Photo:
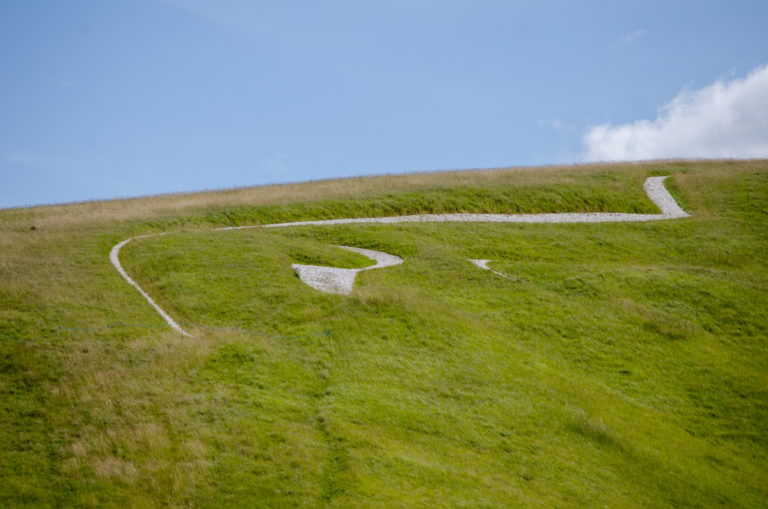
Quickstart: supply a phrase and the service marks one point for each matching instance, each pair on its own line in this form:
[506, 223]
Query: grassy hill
[619, 365]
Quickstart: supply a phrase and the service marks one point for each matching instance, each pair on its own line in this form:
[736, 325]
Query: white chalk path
[341, 281]
[483, 264]
[654, 188]
[114, 255]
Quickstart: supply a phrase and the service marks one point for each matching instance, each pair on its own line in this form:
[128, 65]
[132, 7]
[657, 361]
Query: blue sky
[105, 99]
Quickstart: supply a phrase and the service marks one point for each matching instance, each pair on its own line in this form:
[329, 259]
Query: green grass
[622, 365]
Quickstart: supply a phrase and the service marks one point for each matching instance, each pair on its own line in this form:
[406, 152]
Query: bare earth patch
[341, 281]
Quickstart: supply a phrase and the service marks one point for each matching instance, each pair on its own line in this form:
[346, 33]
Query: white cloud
[631, 37]
[728, 119]
[237, 14]
[558, 125]
[25, 158]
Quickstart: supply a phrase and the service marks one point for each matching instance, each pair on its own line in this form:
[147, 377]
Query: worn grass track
[622, 365]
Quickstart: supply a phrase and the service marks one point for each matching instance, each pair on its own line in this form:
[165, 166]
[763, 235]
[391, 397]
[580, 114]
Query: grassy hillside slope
[623, 365]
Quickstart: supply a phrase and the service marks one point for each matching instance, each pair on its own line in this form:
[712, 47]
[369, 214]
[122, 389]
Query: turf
[620, 365]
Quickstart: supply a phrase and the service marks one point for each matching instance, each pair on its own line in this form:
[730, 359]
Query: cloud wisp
[630, 37]
[728, 119]
[558, 125]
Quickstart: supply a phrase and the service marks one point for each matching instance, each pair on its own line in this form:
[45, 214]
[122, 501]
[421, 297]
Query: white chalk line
[653, 186]
[483, 264]
[114, 257]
